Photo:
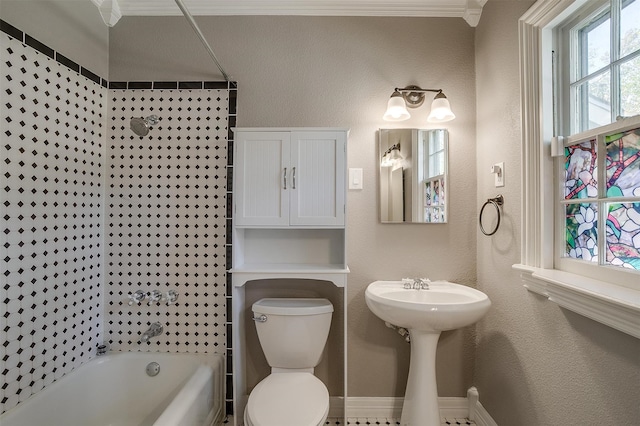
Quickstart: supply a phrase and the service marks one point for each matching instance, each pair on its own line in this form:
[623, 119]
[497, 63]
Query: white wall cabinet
[289, 195]
[289, 208]
[289, 178]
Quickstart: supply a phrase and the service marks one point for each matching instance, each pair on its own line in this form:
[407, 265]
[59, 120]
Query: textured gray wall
[323, 71]
[71, 27]
[537, 364]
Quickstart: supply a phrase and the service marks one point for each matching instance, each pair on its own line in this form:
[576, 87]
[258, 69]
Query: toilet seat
[288, 399]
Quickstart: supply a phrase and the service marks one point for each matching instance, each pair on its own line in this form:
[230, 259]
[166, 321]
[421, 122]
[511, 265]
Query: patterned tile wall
[164, 198]
[51, 209]
[165, 219]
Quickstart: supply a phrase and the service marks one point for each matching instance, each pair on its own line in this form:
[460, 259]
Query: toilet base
[288, 399]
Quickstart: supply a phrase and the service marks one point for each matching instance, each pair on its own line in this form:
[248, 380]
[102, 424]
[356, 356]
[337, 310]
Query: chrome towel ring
[496, 202]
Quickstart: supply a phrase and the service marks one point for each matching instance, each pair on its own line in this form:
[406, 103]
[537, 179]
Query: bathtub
[115, 390]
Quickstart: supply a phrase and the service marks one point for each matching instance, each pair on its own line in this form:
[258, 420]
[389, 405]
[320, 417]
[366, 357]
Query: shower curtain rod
[195, 27]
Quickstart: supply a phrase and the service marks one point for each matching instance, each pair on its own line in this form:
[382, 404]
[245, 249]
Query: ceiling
[469, 10]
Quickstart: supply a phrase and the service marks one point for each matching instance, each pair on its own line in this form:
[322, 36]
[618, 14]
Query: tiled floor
[380, 421]
[387, 421]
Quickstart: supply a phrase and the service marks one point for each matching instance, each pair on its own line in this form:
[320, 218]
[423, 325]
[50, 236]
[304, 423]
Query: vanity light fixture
[391, 156]
[413, 97]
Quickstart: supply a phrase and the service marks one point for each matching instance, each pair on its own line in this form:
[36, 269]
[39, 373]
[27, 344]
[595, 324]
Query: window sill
[608, 303]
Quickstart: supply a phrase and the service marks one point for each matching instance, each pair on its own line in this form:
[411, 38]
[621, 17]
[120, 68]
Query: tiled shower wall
[165, 220]
[91, 212]
[52, 185]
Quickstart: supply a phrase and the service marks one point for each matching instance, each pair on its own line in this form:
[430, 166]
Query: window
[604, 64]
[567, 204]
[432, 145]
[598, 181]
[599, 204]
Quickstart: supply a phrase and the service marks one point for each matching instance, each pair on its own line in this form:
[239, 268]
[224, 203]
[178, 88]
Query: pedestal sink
[425, 313]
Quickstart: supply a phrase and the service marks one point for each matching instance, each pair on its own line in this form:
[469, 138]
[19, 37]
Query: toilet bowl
[299, 399]
[292, 334]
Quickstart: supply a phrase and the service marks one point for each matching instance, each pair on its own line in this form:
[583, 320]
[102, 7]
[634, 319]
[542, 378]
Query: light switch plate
[498, 171]
[355, 178]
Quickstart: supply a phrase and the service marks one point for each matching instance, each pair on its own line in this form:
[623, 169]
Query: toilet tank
[292, 332]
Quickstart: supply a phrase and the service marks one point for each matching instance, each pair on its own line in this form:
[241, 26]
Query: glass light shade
[440, 110]
[395, 156]
[396, 109]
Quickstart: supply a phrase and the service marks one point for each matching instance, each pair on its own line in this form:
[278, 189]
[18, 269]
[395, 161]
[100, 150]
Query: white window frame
[602, 300]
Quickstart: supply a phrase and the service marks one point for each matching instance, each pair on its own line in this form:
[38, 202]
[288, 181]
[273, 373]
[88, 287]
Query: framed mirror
[413, 175]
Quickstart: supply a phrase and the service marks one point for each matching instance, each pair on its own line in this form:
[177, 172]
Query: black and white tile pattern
[165, 219]
[154, 220]
[51, 239]
[379, 421]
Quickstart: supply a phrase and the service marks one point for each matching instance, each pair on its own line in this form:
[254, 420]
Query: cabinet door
[262, 179]
[318, 169]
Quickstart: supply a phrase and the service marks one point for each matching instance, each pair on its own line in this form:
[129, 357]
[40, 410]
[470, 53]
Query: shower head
[141, 126]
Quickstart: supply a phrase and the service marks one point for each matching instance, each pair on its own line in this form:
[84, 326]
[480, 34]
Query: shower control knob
[136, 297]
[154, 297]
[171, 297]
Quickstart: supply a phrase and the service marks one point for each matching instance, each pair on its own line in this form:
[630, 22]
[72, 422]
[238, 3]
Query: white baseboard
[374, 407]
[391, 407]
[336, 406]
[477, 412]
[482, 417]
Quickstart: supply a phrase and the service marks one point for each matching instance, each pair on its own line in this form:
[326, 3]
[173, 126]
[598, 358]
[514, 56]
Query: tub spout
[154, 330]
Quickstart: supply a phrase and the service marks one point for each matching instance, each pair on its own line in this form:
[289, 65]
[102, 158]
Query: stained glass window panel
[581, 171]
[623, 235]
[434, 210]
[581, 224]
[623, 164]
[436, 192]
[434, 215]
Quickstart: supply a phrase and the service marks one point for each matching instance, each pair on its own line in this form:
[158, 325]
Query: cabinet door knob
[285, 178]
[294, 178]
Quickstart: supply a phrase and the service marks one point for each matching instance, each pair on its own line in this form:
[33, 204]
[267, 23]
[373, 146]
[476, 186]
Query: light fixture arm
[391, 148]
[414, 95]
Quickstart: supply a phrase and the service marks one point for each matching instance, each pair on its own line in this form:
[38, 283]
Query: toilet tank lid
[292, 306]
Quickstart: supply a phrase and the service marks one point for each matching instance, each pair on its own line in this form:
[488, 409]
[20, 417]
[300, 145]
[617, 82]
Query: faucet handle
[154, 296]
[407, 283]
[424, 283]
[136, 297]
[171, 297]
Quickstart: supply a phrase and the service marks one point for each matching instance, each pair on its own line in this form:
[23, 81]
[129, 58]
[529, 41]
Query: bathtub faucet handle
[154, 297]
[171, 297]
[136, 297]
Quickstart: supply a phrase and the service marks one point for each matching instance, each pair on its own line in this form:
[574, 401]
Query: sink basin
[425, 313]
[444, 306]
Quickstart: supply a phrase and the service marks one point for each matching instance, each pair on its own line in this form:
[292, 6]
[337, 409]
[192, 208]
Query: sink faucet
[154, 330]
[421, 283]
[416, 283]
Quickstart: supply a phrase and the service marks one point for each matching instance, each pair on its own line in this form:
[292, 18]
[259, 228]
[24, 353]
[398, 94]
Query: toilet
[292, 334]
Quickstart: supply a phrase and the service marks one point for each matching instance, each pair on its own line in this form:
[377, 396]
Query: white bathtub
[115, 390]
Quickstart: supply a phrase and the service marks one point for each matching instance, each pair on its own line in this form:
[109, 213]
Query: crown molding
[470, 10]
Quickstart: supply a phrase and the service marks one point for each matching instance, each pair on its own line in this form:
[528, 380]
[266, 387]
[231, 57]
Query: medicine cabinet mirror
[413, 175]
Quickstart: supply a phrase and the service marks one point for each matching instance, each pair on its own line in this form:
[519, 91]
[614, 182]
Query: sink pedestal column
[421, 397]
